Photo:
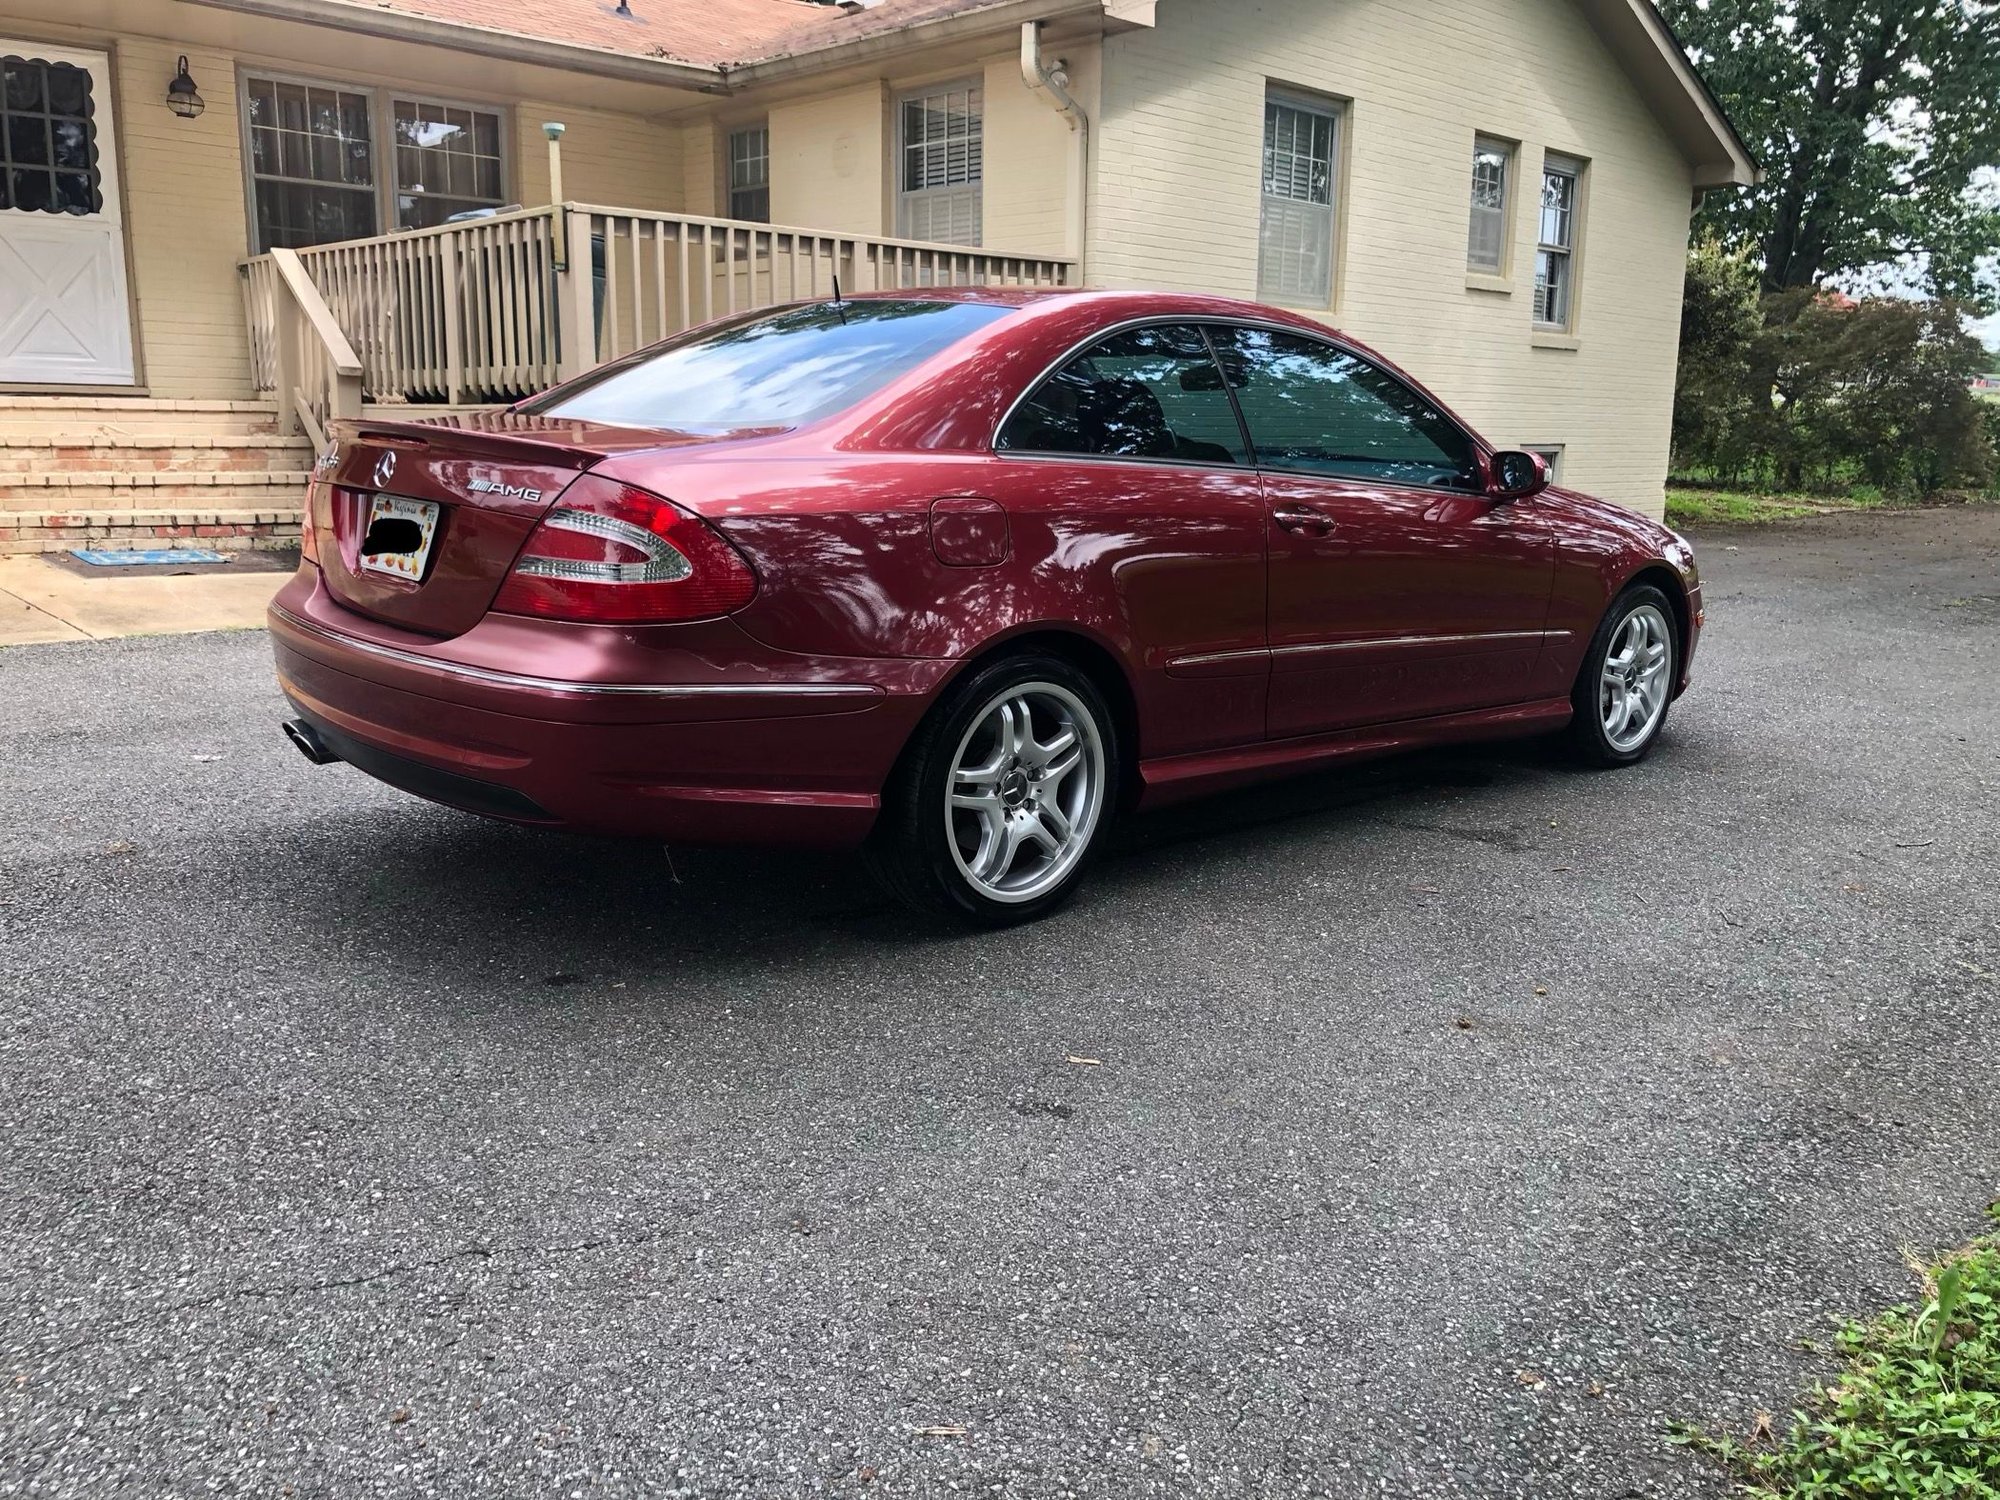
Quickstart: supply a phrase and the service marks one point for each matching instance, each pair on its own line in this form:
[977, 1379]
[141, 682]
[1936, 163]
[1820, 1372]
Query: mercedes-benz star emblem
[385, 470]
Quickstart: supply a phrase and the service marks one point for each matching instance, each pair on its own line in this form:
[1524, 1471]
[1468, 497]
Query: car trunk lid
[490, 476]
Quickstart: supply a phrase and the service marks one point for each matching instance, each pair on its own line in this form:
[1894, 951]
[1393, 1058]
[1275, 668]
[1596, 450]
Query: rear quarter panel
[1150, 563]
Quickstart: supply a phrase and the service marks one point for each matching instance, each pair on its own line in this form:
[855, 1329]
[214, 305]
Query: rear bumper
[685, 733]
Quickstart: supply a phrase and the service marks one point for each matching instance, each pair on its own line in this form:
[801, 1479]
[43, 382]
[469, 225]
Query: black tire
[918, 850]
[1590, 738]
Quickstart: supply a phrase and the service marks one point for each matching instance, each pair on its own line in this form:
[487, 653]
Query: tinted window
[1144, 393]
[771, 369]
[1316, 409]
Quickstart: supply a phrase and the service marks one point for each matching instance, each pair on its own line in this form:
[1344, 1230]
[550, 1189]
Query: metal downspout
[1054, 88]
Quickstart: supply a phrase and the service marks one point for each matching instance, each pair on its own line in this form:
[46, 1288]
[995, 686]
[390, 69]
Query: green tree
[1876, 122]
[1721, 319]
[1809, 390]
[1905, 415]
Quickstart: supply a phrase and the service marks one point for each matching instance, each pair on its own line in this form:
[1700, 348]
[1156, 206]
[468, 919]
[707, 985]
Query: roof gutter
[999, 19]
[480, 41]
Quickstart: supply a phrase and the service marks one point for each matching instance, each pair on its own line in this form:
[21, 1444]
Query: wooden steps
[86, 416]
[137, 472]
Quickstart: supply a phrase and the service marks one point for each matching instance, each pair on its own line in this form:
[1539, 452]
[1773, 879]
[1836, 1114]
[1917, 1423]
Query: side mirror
[1515, 475]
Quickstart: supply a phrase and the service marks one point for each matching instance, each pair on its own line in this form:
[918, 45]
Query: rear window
[776, 369]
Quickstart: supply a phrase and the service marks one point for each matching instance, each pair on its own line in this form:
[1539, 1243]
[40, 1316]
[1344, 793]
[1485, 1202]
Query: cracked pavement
[1460, 1121]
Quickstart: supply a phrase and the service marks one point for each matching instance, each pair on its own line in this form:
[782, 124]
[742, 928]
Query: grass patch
[1706, 507]
[1916, 1413]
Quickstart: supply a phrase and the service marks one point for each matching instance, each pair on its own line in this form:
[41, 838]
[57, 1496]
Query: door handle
[1307, 520]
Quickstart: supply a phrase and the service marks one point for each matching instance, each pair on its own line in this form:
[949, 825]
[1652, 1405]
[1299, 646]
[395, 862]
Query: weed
[1914, 1416]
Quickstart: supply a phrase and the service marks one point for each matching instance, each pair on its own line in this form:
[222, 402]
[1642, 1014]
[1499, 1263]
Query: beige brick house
[223, 222]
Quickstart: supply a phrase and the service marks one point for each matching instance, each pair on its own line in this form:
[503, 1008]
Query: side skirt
[1177, 778]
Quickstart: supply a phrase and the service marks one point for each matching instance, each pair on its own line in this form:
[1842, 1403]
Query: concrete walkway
[40, 601]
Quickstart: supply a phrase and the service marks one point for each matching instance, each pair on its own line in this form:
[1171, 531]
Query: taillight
[309, 533]
[611, 554]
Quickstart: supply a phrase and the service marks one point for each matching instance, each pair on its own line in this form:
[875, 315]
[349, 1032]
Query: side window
[1313, 408]
[1150, 392]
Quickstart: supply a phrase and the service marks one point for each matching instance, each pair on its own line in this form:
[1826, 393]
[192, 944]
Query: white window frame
[385, 106]
[1286, 217]
[974, 188]
[1552, 453]
[382, 100]
[1509, 152]
[731, 160]
[1561, 249]
[251, 177]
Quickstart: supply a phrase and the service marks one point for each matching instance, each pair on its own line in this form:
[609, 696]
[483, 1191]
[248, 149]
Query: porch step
[63, 491]
[54, 417]
[151, 453]
[231, 530]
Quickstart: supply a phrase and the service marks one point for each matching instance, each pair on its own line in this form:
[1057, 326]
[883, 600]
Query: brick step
[152, 454]
[90, 416]
[69, 490]
[223, 530]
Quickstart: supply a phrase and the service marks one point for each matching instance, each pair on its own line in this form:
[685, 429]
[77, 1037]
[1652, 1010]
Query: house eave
[481, 41]
[1638, 35]
[1001, 19]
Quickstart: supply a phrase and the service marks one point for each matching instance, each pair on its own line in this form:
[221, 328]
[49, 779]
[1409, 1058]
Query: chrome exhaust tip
[311, 746]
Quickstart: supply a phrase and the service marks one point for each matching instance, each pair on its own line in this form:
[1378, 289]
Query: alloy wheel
[1026, 792]
[1634, 689]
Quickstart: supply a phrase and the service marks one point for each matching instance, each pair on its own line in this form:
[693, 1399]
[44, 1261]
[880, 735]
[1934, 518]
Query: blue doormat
[101, 558]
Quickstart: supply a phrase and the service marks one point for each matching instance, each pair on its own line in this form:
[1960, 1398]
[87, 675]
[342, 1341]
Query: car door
[1398, 590]
[1126, 472]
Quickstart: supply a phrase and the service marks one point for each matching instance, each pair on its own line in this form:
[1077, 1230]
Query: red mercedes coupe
[956, 577]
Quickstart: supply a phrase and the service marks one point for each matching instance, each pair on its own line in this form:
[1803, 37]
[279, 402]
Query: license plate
[404, 552]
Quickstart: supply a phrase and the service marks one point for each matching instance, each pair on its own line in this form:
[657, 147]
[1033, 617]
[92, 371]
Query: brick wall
[1177, 201]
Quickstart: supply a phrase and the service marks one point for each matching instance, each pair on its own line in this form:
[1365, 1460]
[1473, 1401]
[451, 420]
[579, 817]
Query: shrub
[1807, 390]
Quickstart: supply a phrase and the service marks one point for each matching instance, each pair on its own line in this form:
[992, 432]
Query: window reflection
[47, 164]
[1151, 392]
[776, 369]
[1314, 408]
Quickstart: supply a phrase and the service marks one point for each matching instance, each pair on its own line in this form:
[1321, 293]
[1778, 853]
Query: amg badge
[505, 491]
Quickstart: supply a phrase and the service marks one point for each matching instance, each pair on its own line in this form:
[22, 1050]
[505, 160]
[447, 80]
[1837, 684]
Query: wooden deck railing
[498, 308]
[313, 368]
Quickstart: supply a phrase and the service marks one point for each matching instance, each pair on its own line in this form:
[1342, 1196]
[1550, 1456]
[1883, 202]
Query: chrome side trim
[1210, 658]
[1317, 648]
[494, 678]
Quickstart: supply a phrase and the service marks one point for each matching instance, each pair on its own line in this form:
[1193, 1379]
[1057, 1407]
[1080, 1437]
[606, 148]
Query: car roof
[1113, 302]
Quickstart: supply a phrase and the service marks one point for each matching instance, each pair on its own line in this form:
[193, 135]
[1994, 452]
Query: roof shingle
[708, 33]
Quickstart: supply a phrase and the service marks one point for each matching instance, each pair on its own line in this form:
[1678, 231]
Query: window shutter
[1295, 231]
[943, 153]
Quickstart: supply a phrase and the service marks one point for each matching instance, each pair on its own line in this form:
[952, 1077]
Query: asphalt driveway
[1458, 1122]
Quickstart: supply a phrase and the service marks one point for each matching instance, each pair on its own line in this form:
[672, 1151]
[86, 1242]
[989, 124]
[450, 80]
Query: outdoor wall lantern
[181, 96]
